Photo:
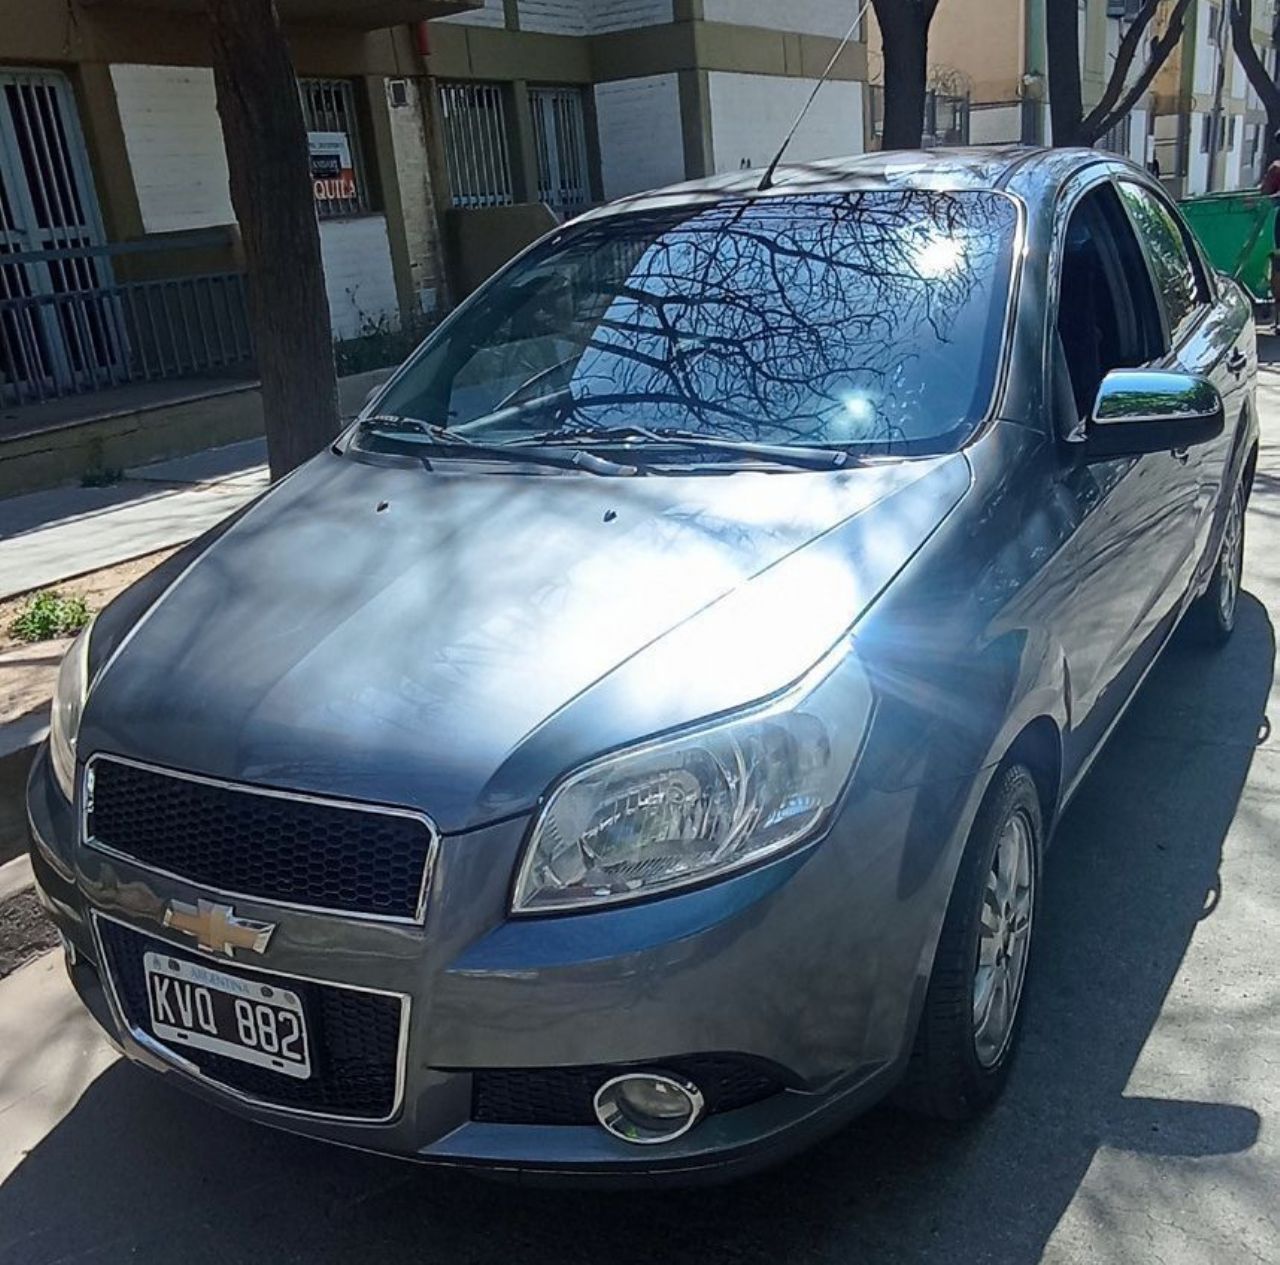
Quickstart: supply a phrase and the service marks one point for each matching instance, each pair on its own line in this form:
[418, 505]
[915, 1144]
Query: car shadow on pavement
[139, 1171]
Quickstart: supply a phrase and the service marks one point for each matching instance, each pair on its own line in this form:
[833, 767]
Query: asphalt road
[1140, 1124]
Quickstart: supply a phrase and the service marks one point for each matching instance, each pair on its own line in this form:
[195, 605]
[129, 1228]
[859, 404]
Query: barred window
[476, 147]
[560, 130]
[338, 171]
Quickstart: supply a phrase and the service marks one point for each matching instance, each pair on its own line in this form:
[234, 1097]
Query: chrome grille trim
[88, 841]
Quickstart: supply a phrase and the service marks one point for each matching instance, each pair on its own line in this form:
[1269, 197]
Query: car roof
[1026, 170]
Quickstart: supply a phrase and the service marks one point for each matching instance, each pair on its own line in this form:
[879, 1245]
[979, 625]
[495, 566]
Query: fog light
[648, 1107]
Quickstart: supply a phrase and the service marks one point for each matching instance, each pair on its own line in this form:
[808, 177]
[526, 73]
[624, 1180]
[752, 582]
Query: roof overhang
[359, 15]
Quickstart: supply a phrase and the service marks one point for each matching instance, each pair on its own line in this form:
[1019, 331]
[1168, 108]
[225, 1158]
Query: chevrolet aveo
[632, 747]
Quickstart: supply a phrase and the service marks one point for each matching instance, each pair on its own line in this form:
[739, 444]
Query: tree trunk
[271, 192]
[904, 33]
[1256, 72]
[1062, 57]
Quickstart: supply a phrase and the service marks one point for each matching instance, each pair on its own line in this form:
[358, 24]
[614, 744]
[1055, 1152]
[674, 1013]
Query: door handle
[1237, 362]
[1181, 455]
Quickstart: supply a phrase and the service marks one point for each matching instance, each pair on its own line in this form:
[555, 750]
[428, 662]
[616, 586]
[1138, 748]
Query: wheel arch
[1038, 745]
[1250, 468]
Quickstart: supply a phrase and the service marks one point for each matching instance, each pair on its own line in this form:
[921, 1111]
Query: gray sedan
[631, 749]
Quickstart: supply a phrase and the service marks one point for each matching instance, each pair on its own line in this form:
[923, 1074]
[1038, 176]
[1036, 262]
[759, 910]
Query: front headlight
[700, 803]
[68, 703]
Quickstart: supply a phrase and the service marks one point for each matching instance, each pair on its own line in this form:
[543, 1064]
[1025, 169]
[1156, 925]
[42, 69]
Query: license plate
[197, 1007]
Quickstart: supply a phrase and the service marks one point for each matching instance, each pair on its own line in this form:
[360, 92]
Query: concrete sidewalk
[49, 537]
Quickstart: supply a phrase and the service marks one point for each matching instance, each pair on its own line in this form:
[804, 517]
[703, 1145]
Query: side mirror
[1140, 411]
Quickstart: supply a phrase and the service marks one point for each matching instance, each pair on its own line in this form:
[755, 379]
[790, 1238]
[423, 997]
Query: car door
[1132, 552]
[1209, 335]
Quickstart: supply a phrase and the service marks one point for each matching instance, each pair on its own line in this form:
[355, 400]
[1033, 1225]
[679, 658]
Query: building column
[108, 153]
[524, 144]
[385, 164]
[695, 123]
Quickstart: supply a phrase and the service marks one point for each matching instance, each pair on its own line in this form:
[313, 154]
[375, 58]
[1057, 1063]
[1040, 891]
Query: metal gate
[60, 328]
[476, 148]
[559, 125]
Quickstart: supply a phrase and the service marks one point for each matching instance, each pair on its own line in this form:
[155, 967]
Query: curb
[18, 743]
[25, 931]
[15, 878]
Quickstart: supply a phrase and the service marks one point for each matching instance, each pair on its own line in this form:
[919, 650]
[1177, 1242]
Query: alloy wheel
[1231, 564]
[1004, 939]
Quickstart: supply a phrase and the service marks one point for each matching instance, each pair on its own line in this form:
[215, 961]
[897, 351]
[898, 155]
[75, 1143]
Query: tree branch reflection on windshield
[864, 318]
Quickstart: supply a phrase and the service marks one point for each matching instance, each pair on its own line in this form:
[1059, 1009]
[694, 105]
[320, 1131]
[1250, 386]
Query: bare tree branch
[1130, 42]
[1100, 120]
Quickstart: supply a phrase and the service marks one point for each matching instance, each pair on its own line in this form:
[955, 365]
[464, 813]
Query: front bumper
[814, 965]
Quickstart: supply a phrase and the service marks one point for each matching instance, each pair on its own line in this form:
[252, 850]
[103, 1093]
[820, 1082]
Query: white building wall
[809, 17]
[1198, 160]
[493, 14]
[1252, 99]
[751, 114]
[623, 15]
[1206, 62]
[357, 274]
[996, 125]
[174, 140]
[173, 137]
[1233, 175]
[1139, 142]
[554, 17]
[641, 138]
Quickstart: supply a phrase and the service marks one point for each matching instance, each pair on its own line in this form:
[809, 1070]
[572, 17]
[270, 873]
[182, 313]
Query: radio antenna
[766, 181]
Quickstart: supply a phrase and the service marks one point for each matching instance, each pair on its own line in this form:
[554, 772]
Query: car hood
[454, 639]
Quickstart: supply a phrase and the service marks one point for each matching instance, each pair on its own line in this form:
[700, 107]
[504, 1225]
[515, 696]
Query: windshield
[870, 319]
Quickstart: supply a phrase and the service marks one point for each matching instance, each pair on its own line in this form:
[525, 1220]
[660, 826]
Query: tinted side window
[1171, 262]
[1107, 314]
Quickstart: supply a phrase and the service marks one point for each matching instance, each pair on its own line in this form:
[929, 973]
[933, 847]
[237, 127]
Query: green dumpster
[1237, 231]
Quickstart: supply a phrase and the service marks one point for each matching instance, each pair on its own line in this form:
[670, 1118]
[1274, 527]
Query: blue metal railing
[67, 326]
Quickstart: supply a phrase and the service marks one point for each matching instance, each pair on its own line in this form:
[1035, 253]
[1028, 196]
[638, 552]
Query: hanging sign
[332, 176]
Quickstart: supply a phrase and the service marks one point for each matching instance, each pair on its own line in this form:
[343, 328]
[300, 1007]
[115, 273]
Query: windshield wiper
[672, 437]
[514, 412]
[410, 431]
[389, 426]
[512, 396]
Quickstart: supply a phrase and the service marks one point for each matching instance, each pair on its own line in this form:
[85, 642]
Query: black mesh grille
[564, 1095]
[353, 860]
[354, 1037]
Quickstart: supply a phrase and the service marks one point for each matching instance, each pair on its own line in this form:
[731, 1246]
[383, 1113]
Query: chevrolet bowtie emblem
[216, 927]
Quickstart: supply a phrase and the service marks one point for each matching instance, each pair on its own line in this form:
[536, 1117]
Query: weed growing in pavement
[101, 477]
[49, 614]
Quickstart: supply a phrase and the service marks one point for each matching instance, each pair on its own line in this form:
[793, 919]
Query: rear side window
[1181, 289]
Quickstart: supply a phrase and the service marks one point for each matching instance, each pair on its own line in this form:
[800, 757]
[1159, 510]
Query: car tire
[1212, 617]
[958, 1066]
